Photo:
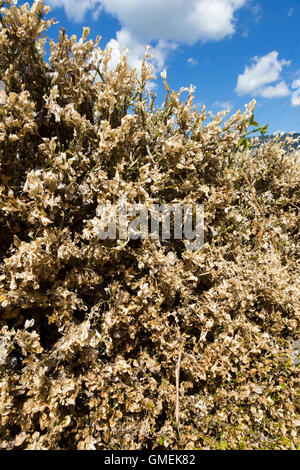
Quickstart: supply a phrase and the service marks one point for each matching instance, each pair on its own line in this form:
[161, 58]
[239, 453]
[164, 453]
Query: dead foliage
[138, 344]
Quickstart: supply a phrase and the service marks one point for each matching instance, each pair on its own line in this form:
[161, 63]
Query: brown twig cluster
[91, 330]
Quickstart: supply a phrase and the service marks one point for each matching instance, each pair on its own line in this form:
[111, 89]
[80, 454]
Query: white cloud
[165, 23]
[296, 94]
[76, 9]
[186, 21]
[255, 9]
[169, 23]
[222, 104]
[276, 91]
[264, 71]
[192, 61]
[137, 50]
[291, 11]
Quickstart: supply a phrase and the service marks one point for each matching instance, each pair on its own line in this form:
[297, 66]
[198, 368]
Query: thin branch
[177, 375]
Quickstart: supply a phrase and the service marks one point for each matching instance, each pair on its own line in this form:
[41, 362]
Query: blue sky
[231, 50]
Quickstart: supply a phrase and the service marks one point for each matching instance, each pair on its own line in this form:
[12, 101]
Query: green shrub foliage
[91, 331]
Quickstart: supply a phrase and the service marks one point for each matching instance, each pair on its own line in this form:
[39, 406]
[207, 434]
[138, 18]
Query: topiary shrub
[138, 344]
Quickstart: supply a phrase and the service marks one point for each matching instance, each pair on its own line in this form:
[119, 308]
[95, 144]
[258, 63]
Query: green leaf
[263, 130]
[252, 122]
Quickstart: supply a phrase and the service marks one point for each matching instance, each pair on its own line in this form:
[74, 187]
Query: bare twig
[150, 154]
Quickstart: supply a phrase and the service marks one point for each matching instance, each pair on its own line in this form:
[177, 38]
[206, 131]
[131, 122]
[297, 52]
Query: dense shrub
[91, 331]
